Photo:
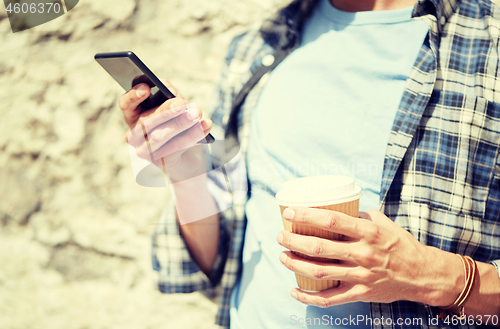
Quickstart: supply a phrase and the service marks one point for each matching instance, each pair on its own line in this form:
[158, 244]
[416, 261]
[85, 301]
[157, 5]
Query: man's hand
[379, 261]
[165, 135]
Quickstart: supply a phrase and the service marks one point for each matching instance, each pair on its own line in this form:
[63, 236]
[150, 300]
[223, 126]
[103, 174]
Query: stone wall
[74, 227]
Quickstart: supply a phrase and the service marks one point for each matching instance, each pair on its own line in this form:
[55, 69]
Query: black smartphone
[128, 70]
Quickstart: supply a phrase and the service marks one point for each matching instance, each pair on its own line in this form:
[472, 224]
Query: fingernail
[141, 91]
[193, 114]
[280, 237]
[288, 214]
[283, 258]
[294, 295]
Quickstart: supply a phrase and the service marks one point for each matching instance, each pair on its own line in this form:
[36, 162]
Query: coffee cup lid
[316, 191]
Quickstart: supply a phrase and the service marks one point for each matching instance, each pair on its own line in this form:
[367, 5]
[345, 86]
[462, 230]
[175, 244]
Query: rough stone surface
[74, 226]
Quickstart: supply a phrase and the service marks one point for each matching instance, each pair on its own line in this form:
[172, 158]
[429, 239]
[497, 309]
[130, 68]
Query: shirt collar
[441, 10]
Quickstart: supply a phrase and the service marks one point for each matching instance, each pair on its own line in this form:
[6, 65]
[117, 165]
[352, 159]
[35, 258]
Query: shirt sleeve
[496, 263]
[177, 272]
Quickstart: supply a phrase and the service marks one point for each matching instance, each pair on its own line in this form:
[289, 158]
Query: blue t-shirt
[327, 109]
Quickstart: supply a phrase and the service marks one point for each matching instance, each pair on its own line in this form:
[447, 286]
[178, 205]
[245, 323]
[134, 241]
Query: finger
[165, 132]
[180, 143]
[130, 101]
[167, 111]
[343, 294]
[325, 219]
[132, 98]
[207, 125]
[317, 270]
[315, 247]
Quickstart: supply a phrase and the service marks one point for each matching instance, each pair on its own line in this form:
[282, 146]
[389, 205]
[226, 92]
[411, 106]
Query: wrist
[189, 187]
[444, 278]
[192, 199]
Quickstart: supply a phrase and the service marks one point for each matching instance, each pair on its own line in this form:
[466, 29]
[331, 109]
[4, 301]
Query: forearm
[201, 232]
[449, 280]
[202, 239]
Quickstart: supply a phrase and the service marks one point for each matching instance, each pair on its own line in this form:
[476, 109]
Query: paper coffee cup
[336, 193]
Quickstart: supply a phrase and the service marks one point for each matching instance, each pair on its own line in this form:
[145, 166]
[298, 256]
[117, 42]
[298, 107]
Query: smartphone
[128, 70]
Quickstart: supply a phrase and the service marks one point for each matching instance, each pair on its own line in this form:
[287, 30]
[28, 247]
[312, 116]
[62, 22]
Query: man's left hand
[378, 261]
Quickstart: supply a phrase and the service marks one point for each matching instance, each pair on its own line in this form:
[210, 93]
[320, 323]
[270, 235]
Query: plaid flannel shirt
[441, 177]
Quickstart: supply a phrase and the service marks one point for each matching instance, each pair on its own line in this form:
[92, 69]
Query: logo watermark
[362, 320]
[26, 14]
[359, 320]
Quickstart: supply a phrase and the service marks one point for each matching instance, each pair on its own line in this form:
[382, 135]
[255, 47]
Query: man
[408, 86]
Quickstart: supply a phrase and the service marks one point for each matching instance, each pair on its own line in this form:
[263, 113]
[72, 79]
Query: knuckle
[319, 272]
[290, 264]
[155, 137]
[371, 231]
[301, 215]
[325, 302]
[361, 275]
[332, 220]
[318, 248]
[358, 255]
[366, 257]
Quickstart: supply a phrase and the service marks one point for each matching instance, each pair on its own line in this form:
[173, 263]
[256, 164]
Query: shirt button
[268, 60]
[442, 20]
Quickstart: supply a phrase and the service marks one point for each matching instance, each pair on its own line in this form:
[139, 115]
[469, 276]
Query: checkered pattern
[441, 178]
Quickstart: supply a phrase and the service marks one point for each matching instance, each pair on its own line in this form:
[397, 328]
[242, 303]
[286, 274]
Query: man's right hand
[167, 132]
